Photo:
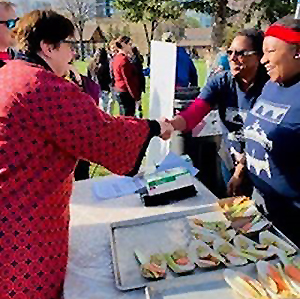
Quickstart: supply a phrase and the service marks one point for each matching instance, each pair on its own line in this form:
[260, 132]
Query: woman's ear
[46, 48]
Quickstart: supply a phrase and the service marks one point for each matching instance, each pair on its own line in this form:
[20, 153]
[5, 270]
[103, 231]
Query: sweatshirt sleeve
[195, 113]
[71, 121]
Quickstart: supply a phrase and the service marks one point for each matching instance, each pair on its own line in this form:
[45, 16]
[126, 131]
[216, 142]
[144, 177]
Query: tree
[192, 22]
[219, 10]
[79, 11]
[272, 10]
[222, 10]
[149, 11]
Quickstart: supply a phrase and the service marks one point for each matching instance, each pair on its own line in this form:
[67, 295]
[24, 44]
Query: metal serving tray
[161, 232]
[207, 285]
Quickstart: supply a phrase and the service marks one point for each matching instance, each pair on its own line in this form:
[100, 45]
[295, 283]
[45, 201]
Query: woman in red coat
[46, 125]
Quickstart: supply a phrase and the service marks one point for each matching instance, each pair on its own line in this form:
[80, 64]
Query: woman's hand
[166, 129]
[179, 123]
[234, 184]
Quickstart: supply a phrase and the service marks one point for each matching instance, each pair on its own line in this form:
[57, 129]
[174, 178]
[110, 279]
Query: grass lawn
[97, 170]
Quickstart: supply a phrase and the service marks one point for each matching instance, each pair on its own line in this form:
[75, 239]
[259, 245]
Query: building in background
[104, 8]
[198, 39]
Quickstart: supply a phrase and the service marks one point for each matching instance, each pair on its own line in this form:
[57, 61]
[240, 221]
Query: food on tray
[291, 269]
[203, 256]
[267, 238]
[154, 268]
[180, 257]
[240, 206]
[211, 225]
[203, 235]
[179, 261]
[250, 224]
[252, 250]
[275, 281]
[230, 253]
[244, 285]
[207, 231]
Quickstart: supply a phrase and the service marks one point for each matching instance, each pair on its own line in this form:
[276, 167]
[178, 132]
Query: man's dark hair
[256, 37]
[42, 25]
[122, 39]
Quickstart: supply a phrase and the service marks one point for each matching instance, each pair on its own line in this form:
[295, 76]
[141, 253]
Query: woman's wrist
[178, 123]
[239, 170]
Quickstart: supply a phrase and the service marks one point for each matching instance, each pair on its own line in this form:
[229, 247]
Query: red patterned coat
[46, 125]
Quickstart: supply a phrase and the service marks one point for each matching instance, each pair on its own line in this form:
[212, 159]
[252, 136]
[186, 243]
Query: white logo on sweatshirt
[269, 111]
[256, 133]
[259, 165]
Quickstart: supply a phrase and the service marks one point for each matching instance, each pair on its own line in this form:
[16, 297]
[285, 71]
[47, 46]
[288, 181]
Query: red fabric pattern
[126, 76]
[195, 113]
[288, 35]
[46, 124]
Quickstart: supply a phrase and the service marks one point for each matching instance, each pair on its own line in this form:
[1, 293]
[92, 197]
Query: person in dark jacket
[99, 72]
[186, 73]
[138, 60]
[87, 85]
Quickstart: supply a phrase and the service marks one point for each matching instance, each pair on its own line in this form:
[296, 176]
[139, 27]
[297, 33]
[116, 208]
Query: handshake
[167, 127]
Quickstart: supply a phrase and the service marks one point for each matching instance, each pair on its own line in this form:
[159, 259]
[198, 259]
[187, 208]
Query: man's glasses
[241, 53]
[10, 24]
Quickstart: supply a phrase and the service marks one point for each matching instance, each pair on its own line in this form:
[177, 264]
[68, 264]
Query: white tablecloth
[90, 271]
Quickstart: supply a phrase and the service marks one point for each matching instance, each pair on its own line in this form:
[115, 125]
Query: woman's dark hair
[138, 54]
[100, 57]
[42, 25]
[122, 39]
[256, 37]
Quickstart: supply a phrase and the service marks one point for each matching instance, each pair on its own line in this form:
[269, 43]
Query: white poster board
[162, 88]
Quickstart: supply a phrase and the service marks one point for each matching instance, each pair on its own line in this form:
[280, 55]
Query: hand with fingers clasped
[166, 129]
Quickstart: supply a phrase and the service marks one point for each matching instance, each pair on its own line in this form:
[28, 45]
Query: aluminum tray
[163, 232]
[205, 286]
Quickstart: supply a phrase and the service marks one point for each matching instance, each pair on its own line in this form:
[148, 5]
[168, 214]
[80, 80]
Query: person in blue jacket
[186, 73]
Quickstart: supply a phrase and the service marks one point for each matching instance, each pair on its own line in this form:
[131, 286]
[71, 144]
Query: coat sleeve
[70, 120]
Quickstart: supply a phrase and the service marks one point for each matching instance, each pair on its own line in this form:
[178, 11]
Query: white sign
[162, 88]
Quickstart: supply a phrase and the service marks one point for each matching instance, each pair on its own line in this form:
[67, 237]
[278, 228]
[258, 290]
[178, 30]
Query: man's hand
[166, 129]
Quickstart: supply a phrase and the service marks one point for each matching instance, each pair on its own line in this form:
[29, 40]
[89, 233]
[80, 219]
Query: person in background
[126, 76]
[112, 52]
[99, 72]
[233, 93]
[87, 85]
[186, 73]
[8, 21]
[47, 124]
[194, 54]
[272, 129]
[138, 60]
